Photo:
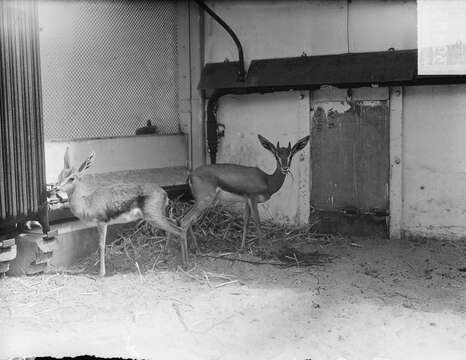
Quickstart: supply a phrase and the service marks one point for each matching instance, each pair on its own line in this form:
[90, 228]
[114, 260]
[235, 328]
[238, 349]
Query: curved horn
[86, 164]
[66, 160]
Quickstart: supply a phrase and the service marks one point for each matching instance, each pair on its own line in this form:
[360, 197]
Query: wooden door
[350, 160]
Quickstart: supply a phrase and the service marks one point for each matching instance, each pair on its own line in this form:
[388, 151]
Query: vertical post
[196, 42]
[303, 160]
[23, 183]
[396, 162]
[184, 75]
[190, 61]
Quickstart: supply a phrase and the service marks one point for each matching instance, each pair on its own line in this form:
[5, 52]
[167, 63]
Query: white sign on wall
[441, 37]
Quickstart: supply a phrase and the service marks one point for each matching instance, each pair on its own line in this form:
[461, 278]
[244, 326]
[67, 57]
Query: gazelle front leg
[246, 214]
[195, 243]
[102, 229]
[255, 216]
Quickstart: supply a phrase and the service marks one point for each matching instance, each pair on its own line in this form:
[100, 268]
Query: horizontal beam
[387, 68]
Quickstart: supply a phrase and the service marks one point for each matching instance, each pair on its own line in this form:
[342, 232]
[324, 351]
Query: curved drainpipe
[241, 71]
[212, 103]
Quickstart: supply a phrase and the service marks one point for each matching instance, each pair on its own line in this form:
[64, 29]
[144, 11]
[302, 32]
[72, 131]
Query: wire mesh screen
[108, 67]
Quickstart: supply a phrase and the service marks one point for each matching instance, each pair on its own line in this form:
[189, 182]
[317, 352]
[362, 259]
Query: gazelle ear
[86, 164]
[301, 144]
[66, 162]
[289, 146]
[267, 144]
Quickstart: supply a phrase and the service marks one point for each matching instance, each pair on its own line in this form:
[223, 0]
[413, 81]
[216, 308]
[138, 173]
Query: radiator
[22, 163]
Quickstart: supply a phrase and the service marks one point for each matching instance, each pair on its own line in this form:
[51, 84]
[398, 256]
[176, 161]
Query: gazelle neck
[275, 180]
[77, 191]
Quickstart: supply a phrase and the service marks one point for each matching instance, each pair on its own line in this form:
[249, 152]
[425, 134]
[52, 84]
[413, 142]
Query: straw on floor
[219, 233]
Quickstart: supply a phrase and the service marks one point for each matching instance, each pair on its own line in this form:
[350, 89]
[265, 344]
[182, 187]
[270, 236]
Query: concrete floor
[377, 299]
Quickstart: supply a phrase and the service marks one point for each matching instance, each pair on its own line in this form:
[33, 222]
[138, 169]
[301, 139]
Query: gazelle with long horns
[236, 183]
[117, 203]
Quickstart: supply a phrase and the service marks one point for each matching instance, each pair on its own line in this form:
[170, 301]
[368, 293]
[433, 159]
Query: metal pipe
[212, 103]
[241, 71]
[212, 126]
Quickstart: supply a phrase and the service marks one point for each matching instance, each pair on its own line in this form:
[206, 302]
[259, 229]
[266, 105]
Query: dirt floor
[375, 299]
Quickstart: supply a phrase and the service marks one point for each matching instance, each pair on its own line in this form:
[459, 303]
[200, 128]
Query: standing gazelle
[236, 183]
[117, 203]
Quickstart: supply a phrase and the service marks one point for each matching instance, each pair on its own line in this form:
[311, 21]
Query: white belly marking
[133, 215]
[226, 196]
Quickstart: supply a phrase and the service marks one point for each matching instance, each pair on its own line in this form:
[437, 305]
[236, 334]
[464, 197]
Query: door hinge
[378, 212]
[353, 211]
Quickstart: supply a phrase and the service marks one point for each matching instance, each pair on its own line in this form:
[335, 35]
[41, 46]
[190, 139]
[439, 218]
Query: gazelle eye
[71, 179]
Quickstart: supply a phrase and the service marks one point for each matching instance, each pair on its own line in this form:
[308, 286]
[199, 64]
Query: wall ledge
[436, 233]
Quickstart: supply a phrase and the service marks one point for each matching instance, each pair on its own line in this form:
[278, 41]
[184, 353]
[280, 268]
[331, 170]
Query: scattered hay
[219, 234]
[220, 229]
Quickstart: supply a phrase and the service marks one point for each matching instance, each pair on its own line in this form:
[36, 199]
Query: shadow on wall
[243, 152]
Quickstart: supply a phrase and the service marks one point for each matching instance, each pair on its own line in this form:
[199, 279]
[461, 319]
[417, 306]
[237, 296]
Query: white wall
[279, 117]
[278, 28]
[380, 25]
[434, 161]
[432, 119]
[119, 153]
[271, 29]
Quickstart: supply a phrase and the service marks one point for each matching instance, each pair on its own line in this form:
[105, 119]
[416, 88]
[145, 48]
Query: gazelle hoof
[102, 272]
[195, 249]
[264, 249]
[31, 224]
[243, 250]
[184, 266]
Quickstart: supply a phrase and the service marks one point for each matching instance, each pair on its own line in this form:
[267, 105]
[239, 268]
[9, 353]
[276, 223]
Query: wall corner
[396, 163]
[304, 160]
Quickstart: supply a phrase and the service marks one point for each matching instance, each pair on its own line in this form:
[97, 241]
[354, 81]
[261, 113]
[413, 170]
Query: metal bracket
[351, 211]
[379, 214]
[376, 214]
[220, 130]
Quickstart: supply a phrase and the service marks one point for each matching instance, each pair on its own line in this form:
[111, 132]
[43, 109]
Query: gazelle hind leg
[204, 195]
[171, 229]
[203, 201]
[102, 229]
[193, 236]
[192, 215]
[167, 243]
[154, 212]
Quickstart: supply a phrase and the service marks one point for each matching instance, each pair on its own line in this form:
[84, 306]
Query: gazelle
[236, 183]
[117, 203]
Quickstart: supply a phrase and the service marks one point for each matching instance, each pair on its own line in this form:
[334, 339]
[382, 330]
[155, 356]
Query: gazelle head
[284, 155]
[69, 176]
